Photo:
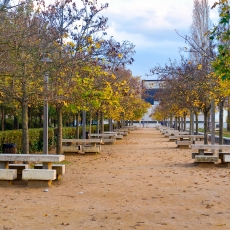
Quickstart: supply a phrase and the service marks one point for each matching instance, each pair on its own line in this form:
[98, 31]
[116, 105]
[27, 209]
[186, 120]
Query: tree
[20, 45]
[221, 34]
[72, 30]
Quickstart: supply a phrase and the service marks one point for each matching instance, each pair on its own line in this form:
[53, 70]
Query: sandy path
[141, 182]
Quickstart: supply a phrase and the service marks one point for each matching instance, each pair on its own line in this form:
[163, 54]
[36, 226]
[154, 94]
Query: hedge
[36, 137]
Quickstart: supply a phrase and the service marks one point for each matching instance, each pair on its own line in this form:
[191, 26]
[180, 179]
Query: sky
[150, 25]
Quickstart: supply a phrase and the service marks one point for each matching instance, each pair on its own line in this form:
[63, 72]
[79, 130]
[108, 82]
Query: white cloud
[150, 25]
[148, 15]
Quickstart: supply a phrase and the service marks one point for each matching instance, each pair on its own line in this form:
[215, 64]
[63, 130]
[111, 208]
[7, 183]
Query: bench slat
[82, 140]
[38, 174]
[196, 146]
[32, 157]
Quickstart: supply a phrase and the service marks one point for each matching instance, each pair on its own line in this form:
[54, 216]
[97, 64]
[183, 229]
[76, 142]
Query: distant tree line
[201, 78]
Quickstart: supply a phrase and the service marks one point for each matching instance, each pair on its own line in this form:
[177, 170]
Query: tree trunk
[118, 125]
[191, 129]
[77, 125]
[90, 123]
[25, 134]
[228, 121]
[83, 136]
[179, 123]
[40, 119]
[3, 118]
[197, 123]
[102, 122]
[29, 118]
[16, 124]
[59, 130]
[55, 123]
[176, 123]
[123, 120]
[98, 127]
[221, 119]
[206, 119]
[212, 126]
[184, 129]
[110, 124]
[171, 121]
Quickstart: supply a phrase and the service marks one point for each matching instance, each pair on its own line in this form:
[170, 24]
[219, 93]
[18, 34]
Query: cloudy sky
[150, 25]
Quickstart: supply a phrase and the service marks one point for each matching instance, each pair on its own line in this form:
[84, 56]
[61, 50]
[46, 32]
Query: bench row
[38, 174]
[93, 145]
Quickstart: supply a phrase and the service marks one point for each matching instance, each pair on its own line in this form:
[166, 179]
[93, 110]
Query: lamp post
[45, 109]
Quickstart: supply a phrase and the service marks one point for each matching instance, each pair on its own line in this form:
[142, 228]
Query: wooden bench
[7, 175]
[88, 145]
[214, 150]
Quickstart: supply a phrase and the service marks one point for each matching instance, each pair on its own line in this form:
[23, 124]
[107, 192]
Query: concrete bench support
[183, 144]
[206, 160]
[221, 156]
[72, 149]
[172, 138]
[109, 141]
[60, 169]
[226, 159]
[39, 177]
[7, 176]
[197, 154]
[91, 149]
[198, 142]
[19, 167]
[119, 137]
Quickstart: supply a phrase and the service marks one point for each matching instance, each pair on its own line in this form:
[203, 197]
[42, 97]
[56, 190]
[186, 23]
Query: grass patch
[225, 132]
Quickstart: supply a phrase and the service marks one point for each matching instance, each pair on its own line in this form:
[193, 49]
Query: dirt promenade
[142, 182]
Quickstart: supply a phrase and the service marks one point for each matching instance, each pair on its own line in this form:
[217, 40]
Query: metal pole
[45, 119]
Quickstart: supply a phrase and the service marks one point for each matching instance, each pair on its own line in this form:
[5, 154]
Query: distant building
[151, 87]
